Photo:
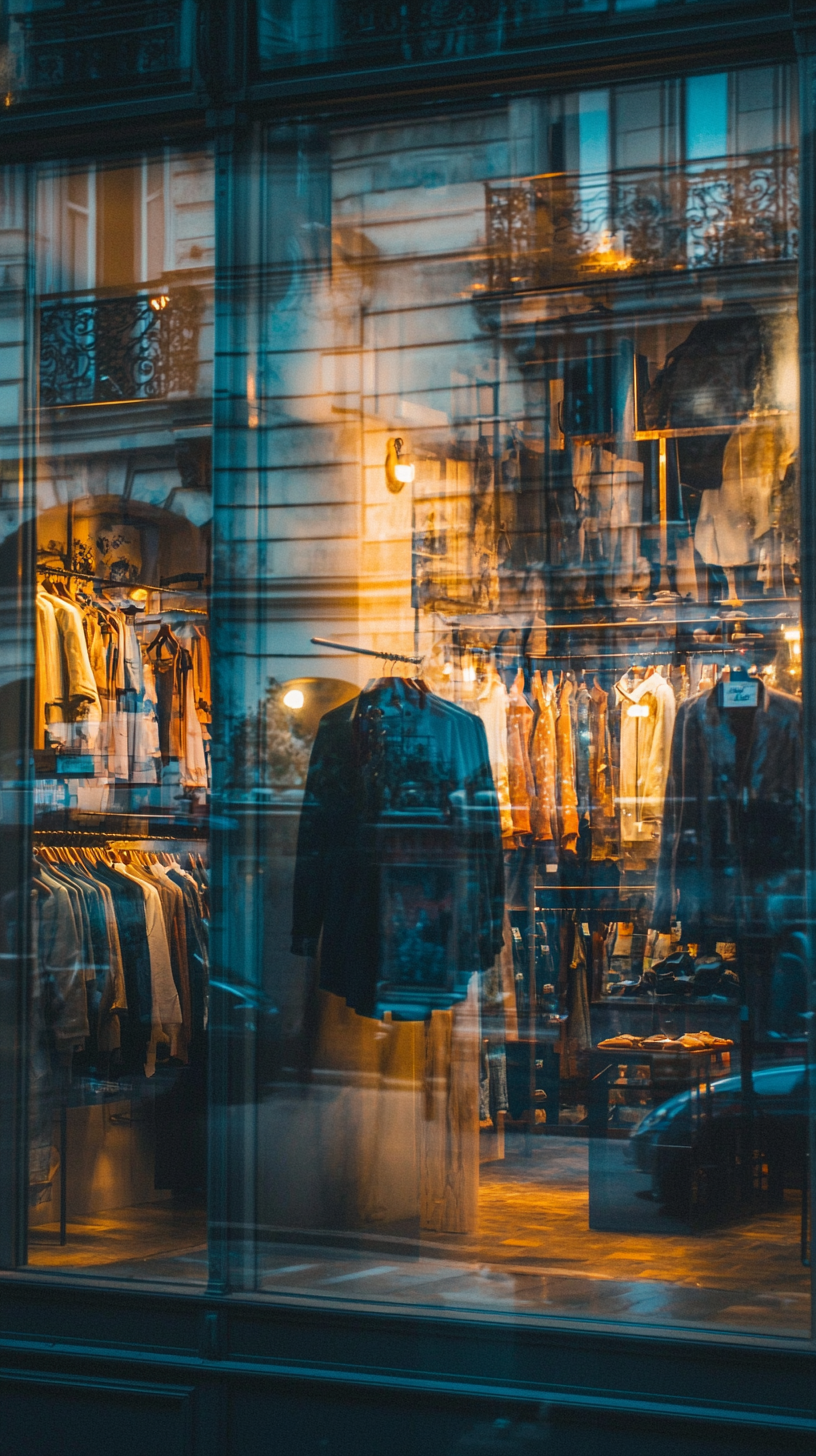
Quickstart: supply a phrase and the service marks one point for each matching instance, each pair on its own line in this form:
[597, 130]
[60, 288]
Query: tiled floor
[534, 1253]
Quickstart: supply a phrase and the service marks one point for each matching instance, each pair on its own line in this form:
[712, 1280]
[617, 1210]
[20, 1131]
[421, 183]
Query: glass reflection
[529, 436]
[118, 1014]
[307, 31]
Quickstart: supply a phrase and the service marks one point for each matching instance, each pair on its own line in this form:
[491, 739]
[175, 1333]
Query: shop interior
[537, 1042]
[122, 714]
[609, 1119]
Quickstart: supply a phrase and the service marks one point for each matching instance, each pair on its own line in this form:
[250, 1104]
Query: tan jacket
[647, 722]
[601, 787]
[47, 670]
[78, 684]
[544, 755]
[490, 705]
[520, 773]
[568, 795]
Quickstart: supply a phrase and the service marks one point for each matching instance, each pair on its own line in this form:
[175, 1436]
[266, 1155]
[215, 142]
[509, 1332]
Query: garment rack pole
[178, 591]
[368, 651]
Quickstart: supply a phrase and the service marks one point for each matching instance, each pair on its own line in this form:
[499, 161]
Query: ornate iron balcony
[546, 231]
[106, 349]
[93, 42]
[414, 30]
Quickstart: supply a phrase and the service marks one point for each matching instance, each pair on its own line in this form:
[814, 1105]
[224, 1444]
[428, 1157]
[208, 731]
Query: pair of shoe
[681, 975]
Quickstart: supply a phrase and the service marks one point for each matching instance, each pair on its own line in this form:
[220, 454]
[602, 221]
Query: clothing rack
[90, 839]
[96, 837]
[105, 835]
[129, 585]
[638, 624]
[416, 660]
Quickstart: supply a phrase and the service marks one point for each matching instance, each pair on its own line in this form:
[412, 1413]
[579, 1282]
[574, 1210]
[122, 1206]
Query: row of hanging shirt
[121, 956]
[140, 707]
[577, 769]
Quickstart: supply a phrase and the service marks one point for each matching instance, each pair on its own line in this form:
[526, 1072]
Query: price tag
[740, 693]
[78, 765]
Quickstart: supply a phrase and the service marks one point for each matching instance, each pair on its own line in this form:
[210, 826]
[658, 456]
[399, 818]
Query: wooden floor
[124, 1236]
[534, 1253]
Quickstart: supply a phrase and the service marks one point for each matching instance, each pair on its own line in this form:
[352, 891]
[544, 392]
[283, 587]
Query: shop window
[305, 31]
[117, 995]
[61, 48]
[412, 849]
[509, 553]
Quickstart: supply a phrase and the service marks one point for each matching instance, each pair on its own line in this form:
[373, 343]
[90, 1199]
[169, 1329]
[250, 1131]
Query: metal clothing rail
[97, 838]
[368, 651]
[178, 591]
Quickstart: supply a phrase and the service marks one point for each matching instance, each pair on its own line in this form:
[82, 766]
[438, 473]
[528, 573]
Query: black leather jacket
[733, 843]
[399, 880]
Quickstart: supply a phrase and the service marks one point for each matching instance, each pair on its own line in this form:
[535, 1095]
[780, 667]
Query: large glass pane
[51, 50]
[509, 542]
[360, 32]
[117, 995]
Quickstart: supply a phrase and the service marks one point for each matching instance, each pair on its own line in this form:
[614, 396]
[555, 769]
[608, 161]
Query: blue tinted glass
[307, 31]
[508, 642]
[706, 116]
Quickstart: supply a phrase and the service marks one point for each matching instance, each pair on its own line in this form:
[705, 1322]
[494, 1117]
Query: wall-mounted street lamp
[399, 470]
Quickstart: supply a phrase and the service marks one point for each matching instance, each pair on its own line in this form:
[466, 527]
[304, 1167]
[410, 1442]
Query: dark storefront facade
[407, 662]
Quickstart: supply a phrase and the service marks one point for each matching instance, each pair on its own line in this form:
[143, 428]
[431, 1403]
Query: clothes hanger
[164, 634]
[61, 590]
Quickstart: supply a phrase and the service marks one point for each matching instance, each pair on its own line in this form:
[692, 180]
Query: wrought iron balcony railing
[106, 349]
[559, 229]
[415, 30]
[98, 43]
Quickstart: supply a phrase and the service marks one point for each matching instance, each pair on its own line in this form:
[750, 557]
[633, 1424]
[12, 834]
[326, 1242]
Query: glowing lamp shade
[399, 471]
[637, 710]
[294, 699]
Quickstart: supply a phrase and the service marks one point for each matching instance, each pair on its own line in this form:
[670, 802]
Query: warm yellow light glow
[793, 634]
[160, 302]
[607, 256]
[469, 674]
[404, 474]
[447, 670]
[138, 594]
[294, 699]
[637, 710]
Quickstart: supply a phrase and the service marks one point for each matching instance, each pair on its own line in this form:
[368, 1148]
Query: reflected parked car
[692, 1146]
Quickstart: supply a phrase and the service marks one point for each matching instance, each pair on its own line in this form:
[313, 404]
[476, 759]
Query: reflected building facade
[407, 608]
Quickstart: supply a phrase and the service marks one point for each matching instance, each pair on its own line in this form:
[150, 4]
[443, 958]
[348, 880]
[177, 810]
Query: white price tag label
[740, 694]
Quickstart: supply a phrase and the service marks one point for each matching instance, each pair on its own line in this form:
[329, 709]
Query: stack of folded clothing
[692, 1041]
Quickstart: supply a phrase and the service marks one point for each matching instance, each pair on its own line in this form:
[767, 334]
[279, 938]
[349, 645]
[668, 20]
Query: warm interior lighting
[160, 302]
[607, 256]
[138, 594]
[398, 470]
[294, 699]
